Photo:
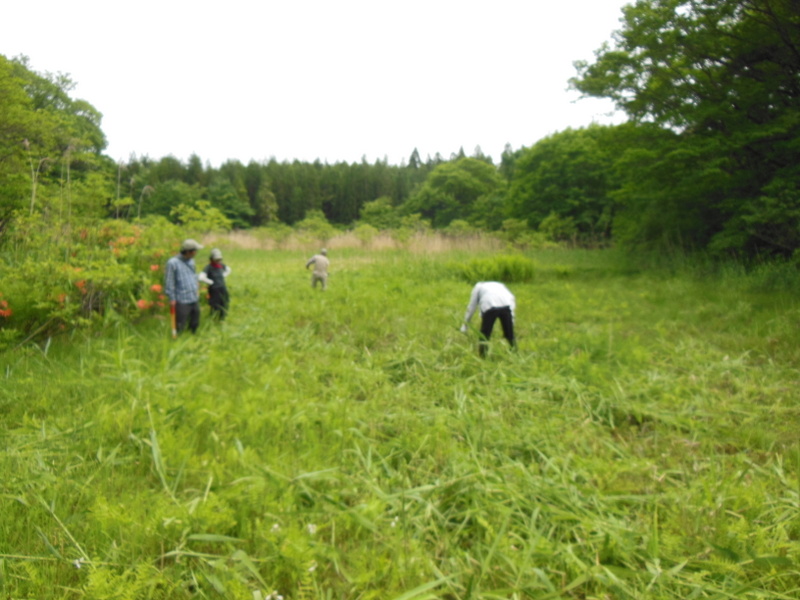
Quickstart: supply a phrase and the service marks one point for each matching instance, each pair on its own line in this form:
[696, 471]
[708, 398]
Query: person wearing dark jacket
[213, 275]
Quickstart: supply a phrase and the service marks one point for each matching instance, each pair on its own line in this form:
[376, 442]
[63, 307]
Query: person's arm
[169, 281]
[311, 261]
[226, 271]
[202, 277]
[471, 307]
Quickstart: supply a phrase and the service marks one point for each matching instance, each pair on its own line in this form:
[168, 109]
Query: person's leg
[224, 303]
[181, 316]
[324, 280]
[216, 301]
[507, 321]
[194, 316]
[213, 304]
[487, 324]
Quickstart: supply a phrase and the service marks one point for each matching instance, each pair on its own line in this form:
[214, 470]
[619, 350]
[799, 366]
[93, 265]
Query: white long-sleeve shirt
[488, 295]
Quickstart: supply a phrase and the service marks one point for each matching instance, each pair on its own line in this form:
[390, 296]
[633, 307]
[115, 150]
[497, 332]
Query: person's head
[216, 255]
[324, 252]
[190, 247]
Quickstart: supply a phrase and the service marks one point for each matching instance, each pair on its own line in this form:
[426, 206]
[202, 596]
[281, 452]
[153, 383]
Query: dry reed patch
[239, 239]
[431, 243]
[420, 243]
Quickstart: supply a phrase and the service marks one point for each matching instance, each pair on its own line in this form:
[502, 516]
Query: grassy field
[641, 443]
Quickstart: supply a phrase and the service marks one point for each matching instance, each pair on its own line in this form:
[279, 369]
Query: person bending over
[495, 301]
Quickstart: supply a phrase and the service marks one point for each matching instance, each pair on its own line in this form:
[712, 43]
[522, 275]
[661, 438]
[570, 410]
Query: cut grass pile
[642, 442]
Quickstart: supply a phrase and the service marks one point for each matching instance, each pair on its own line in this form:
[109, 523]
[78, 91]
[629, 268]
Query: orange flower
[154, 267]
[143, 304]
[6, 313]
[81, 283]
[156, 288]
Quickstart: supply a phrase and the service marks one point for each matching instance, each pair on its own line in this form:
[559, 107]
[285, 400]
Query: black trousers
[218, 300]
[487, 324]
[187, 314]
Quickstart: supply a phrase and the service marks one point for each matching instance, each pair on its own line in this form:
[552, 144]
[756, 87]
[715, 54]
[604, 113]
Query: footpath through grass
[642, 442]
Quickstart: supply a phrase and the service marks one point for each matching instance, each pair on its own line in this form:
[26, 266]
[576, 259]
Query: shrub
[316, 226]
[497, 268]
[201, 216]
[558, 228]
[365, 233]
[64, 276]
[459, 228]
[380, 214]
[410, 225]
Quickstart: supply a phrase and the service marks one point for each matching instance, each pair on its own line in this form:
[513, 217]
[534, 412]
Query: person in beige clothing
[320, 274]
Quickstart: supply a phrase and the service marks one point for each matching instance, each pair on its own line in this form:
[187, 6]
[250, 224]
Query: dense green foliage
[724, 75]
[460, 189]
[567, 176]
[640, 444]
[50, 145]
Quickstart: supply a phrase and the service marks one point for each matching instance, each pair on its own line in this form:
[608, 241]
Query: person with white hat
[180, 285]
[213, 275]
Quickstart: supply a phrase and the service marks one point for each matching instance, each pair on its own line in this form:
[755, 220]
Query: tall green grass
[641, 443]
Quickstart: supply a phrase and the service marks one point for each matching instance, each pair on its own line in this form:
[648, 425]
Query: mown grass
[641, 443]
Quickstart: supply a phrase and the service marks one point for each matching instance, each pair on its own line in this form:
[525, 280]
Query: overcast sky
[329, 80]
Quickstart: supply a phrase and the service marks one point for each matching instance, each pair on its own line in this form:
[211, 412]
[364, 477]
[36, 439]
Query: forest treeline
[709, 158]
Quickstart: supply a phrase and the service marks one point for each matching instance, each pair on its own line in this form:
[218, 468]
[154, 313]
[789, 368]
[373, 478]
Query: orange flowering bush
[63, 276]
[156, 299]
[5, 310]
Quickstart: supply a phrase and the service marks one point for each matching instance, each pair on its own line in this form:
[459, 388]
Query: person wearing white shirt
[495, 301]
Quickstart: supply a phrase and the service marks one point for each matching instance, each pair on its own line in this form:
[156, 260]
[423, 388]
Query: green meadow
[642, 442]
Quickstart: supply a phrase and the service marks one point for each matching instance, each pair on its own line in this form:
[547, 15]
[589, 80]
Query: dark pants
[487, 324]
[187, 314]
[218, 301]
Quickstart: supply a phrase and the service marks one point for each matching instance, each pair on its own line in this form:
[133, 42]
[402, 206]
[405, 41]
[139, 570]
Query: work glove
[464, 328]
